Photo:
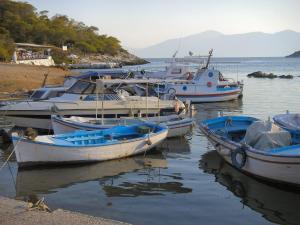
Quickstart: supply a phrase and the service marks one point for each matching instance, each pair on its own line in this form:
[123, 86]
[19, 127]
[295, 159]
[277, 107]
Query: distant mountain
[254, 44]
[294, 55]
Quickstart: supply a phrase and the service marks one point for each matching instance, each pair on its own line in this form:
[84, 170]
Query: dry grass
[21, 78]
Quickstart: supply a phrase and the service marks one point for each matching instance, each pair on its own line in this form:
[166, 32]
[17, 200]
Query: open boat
[177, 126]
[291, 123]
[256, 147]
[88, 146]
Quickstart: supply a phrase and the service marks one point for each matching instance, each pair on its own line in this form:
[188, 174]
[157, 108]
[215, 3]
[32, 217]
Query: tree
[22, 23]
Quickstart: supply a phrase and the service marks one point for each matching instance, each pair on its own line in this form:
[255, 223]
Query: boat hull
[221, 97]
[179, 128]
[42, 119]
[274, 168]
[175, 128]
[37, 114]
[29, 153]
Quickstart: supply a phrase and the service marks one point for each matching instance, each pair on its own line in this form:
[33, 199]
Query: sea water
[185, 182]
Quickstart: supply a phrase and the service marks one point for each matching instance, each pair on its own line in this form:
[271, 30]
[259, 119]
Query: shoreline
[16, 212]
[17, 79]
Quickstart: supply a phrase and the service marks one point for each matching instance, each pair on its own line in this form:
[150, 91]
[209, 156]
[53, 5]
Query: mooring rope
[6, 161]
[10, 155]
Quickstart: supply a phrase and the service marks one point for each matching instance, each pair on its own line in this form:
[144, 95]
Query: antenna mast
[208, 60]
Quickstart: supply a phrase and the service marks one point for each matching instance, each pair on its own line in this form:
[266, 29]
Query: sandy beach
[22, 78]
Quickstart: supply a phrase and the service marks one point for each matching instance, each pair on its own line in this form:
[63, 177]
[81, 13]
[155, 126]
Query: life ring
[209, 84]
[172, 91]
[241, 152]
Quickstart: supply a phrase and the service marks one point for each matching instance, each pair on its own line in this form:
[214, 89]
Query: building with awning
[33, 54]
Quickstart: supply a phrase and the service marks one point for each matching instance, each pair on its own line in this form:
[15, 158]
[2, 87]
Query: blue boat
[88, 146]
[257, 147]
[291, 123]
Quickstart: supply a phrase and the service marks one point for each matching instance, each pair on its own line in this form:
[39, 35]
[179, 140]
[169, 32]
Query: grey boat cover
[264, 135]
[290, 121]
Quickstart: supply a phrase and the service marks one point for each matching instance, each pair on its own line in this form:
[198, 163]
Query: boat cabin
[47, 93]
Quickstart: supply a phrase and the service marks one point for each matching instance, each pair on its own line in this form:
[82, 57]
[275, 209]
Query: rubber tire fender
[171, 91]
[239, 151]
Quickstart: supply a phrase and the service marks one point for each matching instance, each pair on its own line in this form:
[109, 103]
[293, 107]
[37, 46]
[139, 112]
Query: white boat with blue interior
[88, 146]
[177, 125]
[256, 147]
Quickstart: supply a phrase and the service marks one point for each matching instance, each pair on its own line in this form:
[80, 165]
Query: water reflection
[111, 175]
[46, 180]
[211, 110]
[153, 182]
[127, 189]
[175, 147]
[5, 151]
[276, 204]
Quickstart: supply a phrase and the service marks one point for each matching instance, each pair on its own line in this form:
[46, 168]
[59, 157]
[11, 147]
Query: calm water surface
[185, 182]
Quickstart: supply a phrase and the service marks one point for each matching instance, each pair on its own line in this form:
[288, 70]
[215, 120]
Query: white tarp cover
[290, 121]
[264, 135]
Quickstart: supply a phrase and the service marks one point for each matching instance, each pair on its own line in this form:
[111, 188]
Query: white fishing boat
[88, 146]
[177, 125]
[83, 99]
[255, 147]
[206, 85]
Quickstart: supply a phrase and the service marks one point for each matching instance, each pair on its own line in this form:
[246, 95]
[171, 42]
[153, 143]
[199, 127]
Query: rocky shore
[260, 74]
[294, 55]
[13, 212]
[122, 59]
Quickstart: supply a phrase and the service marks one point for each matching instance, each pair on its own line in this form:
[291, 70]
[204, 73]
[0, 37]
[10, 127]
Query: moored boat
[177, 126]
[88, 146]
[206, 85]
[83, 100]
[255, 147]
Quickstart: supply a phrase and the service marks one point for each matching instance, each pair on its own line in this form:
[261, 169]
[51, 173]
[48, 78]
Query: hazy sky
[141, 23]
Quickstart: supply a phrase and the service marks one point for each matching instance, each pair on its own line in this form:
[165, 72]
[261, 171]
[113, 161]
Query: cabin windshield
[37, 94]
[82, 87]
[54, 94]
[221, 78]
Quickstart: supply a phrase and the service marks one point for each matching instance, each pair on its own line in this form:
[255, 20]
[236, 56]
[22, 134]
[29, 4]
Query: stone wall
[37, 62]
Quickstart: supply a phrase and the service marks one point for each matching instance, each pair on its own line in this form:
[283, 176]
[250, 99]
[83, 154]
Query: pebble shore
[14, 212]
